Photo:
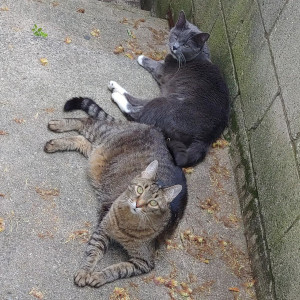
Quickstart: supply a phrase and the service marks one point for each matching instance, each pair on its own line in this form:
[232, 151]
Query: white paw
[115, 87]
[140, 59]
[121, 101]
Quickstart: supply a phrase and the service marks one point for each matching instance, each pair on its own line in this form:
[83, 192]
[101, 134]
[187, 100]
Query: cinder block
[220, 53]
[276, 174]
[270, 10]
[255, 72]
[285, 46]
[285, 259]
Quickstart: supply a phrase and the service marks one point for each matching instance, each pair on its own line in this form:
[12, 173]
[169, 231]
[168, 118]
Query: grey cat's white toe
[121, 101]
[140, 59]
[115, 87]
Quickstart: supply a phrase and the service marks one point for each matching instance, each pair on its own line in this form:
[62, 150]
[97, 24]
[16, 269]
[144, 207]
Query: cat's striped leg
[74, 143]
[96, 248]
[133, 267]
[64, 125]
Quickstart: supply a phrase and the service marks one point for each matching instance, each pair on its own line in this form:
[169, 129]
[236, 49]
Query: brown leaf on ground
[210, 205]
[119, 49]
[55, 3]
[159, 35]
[47, 194]
[81, 235]
[19, 121]
[49, 110]
[231, 221]
[36, 293]
[68, 40]
[95, 32]
[129, 55]
[172, 245]
[81, 10]
[44, 61]
[2, 224]
[235, 259]
[4, 8]
[45, 235]
[189, 170]
[220, 144]
[157, 55]
[119, 294]
[124, 21]
[137, 23]
[234, 289]
[2, 195]
[2, 132]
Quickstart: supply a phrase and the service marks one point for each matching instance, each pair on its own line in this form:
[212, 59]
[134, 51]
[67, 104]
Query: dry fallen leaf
[220, 143]
[189, 170]
[2, 224]
[44, 61]
[137, 23]
[4, 8]
[119, 294]
[68, 40]
[55, 3]
[234, 289]
[124, 21]
[47, 194]
[2, 132]
[36, 293]
[19, 121]
[49, 110]
[81, 10]
[119, 49]
[95, 32]
[129, 55]
[81, 235]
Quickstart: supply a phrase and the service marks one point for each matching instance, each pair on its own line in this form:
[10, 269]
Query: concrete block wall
[256, 43]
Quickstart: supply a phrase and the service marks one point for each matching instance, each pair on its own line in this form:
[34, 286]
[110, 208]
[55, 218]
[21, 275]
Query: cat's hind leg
[96, 248]
[74, 143]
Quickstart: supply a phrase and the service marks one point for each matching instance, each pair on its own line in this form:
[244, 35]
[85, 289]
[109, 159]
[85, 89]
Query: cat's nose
[175, 46]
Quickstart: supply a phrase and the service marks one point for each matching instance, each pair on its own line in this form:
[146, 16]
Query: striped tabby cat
[142, 193]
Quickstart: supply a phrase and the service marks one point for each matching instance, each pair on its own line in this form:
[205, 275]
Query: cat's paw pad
[111, 85]
[140, 59]
[96, 279]
[56, 125]
[51, 146]
[81, 277]
[115, 87]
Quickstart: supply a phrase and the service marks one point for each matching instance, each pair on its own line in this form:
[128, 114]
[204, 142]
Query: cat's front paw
[96, 279]
[140, 60]
[81, 277]
[51, 146]
[115, 87]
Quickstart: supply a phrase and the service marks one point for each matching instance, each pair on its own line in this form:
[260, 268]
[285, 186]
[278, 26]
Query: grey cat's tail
[89, 106]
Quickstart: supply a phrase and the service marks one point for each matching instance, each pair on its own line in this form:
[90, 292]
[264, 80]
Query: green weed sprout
[38, 31]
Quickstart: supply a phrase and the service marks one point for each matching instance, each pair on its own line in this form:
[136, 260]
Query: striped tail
[89, 106]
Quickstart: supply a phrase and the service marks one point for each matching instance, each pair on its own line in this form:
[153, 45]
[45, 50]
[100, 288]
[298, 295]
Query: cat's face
[146, 198]
[186, 41]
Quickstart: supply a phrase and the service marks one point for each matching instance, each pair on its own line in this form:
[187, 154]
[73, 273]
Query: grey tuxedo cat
[193, 107]
[142, 194]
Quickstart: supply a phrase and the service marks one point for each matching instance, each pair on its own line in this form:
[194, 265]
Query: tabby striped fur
[142, 194]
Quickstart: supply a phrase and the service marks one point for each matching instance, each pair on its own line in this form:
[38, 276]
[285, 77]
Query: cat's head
[186, 41]
[146, 197]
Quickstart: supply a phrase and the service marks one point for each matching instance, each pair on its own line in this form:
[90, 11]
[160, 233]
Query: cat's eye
[139, 190]
[153, 203]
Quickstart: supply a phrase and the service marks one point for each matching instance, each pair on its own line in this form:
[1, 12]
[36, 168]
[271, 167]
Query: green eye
[153, 203]
[139, 190]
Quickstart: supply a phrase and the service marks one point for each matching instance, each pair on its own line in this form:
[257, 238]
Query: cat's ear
[181, 20]
[171, 192]
[150, 171]
[201, 38]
